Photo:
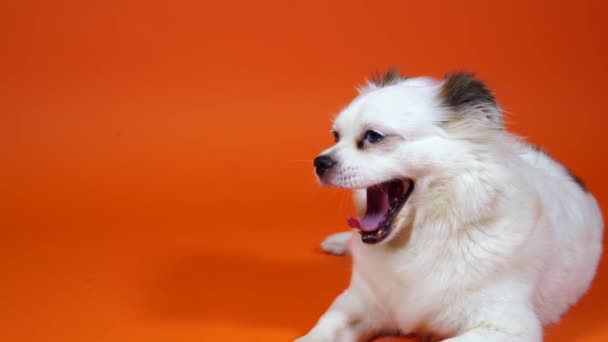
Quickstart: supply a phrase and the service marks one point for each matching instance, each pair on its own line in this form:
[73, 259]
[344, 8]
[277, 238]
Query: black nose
[323, 163]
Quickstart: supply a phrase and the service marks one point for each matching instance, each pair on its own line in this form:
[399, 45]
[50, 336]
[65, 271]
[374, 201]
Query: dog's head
[398, 131]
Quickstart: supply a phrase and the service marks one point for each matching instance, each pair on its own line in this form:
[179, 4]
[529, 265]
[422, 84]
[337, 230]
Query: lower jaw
[376, 236]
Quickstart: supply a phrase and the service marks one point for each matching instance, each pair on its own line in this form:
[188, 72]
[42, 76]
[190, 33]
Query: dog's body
[494, 240]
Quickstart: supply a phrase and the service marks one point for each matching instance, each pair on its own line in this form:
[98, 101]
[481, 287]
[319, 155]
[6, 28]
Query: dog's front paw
[313, 338]
[337, 244]
[320, 334]
[308, 338]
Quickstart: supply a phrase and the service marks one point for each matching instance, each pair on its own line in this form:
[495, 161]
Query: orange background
[156, 179]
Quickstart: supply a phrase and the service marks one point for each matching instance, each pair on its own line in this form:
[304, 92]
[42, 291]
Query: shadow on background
[212, 287]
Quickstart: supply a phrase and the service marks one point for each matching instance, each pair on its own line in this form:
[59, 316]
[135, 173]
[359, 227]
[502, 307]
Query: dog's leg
[345, 321]
[509, 323]
[337, 244]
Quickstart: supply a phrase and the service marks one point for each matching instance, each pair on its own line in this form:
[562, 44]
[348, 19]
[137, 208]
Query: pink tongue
[369, 223]
[377, 206]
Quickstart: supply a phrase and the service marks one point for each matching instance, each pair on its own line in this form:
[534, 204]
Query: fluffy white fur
[496, 241]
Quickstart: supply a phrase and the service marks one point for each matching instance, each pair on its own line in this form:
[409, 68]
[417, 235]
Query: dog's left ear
[469, 102]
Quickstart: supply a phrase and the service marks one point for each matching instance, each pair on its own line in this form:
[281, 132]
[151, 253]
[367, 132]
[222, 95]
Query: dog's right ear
[469, 102]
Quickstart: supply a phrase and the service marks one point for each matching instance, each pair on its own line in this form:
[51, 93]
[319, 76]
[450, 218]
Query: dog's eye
[336, 136]
[373, 136]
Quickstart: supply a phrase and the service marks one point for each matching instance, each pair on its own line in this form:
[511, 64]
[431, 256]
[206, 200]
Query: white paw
[313, 336]
[337, 244]
[309, 338]
[304, 339]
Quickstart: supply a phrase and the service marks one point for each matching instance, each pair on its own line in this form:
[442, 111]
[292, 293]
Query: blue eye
[373, 136]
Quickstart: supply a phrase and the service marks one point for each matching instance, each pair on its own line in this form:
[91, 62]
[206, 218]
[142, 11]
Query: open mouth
[384, 201]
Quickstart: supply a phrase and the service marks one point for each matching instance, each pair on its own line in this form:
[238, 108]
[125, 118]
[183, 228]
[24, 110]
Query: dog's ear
[469, 102]
[380, 80]
[390, 77]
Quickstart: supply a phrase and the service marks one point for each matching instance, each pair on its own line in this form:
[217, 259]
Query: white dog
[464, 232]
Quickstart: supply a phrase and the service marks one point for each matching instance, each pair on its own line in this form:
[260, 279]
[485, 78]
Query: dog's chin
[384, 202]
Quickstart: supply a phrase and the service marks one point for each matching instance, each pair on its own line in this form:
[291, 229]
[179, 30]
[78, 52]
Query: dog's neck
[466, 188]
